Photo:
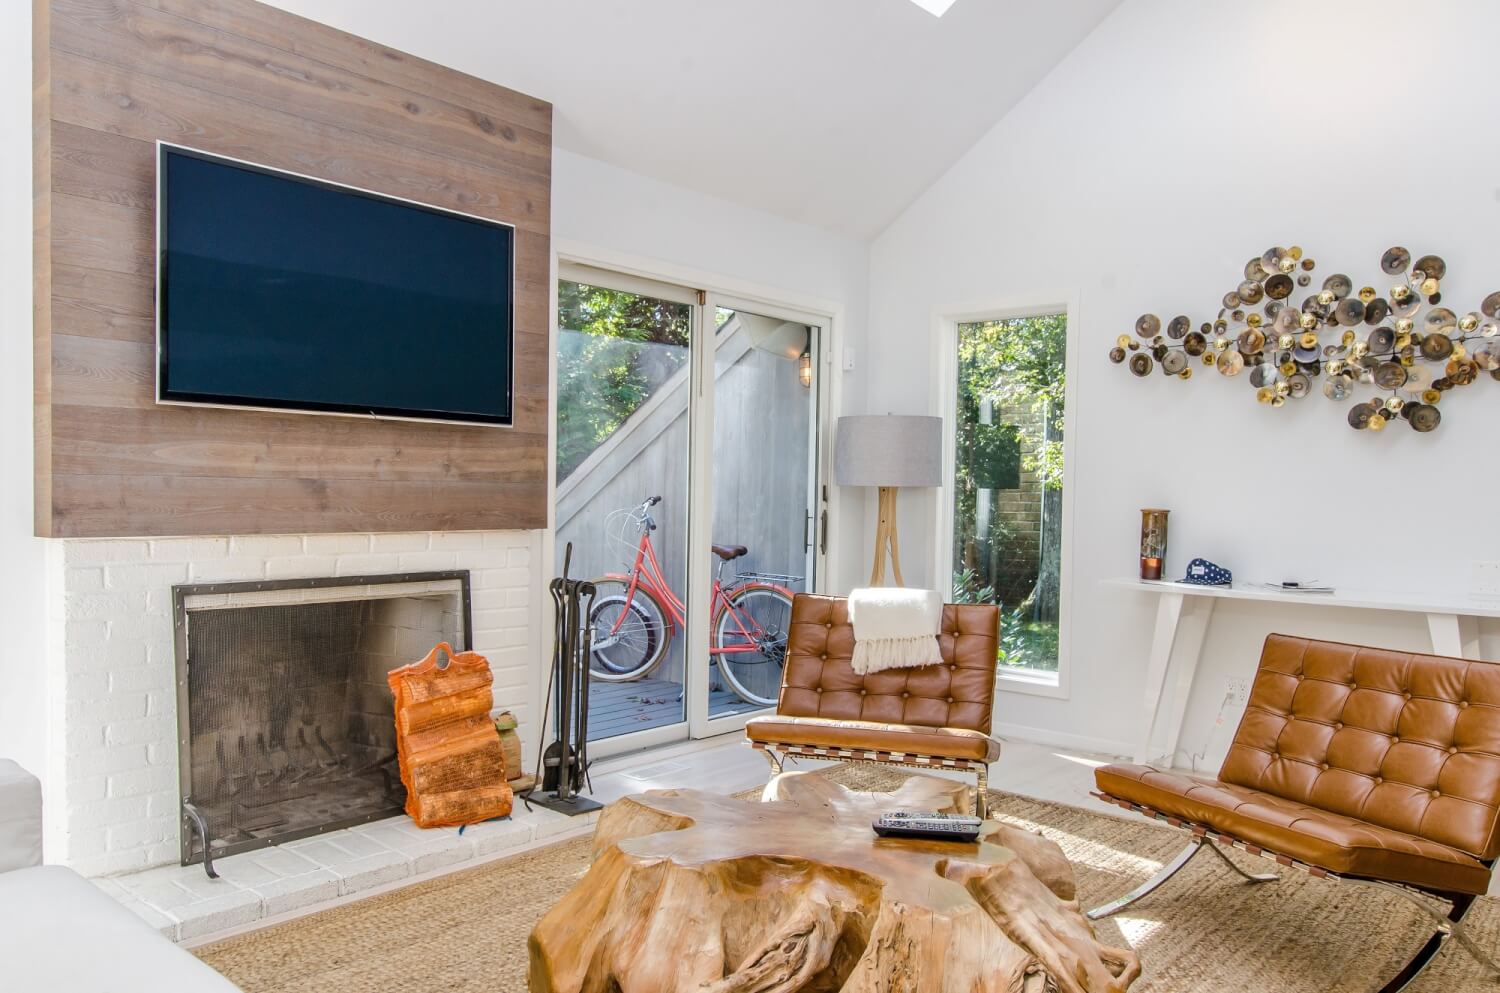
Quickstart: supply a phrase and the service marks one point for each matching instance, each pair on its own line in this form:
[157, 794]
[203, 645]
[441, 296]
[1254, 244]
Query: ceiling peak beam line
[937, 8]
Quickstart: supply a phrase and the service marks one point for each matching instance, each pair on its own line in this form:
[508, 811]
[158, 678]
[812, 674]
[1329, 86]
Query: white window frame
[945, 322]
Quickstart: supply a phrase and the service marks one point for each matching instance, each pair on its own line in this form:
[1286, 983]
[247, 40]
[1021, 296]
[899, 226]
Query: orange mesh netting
[451, 760]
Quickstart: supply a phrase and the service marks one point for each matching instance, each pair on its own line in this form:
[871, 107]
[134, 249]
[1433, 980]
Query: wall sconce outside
[804, 367]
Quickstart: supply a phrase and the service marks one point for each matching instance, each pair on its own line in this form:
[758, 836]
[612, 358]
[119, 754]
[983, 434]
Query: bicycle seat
[730, 552]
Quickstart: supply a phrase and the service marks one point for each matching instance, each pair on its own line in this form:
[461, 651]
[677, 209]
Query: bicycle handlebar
[642, 514]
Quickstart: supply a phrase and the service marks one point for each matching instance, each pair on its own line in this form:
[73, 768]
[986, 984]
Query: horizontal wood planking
[114, 100]
[187, 505]
[243, 79]
[224, 443]
[144, 41]
[320, 42]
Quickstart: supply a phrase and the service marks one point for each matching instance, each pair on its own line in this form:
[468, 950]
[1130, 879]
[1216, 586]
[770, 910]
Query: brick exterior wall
[111, 782]
[1014, 561]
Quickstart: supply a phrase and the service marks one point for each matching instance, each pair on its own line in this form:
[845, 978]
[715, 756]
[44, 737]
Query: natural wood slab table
[692, 891]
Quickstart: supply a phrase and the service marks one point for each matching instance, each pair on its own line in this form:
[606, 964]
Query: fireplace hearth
[286, 726]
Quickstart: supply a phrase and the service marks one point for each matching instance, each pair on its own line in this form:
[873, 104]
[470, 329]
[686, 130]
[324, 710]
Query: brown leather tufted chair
[936, 716]
[1355, 764]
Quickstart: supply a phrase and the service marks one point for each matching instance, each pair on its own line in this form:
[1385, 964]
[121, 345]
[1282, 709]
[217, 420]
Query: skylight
[937, 8]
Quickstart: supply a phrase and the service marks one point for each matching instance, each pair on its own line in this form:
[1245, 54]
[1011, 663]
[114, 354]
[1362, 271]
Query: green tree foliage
[605, 377]
[1017, 362]
[1013, 365]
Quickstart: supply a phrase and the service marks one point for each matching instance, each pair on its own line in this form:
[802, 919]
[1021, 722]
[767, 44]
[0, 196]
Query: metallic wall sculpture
[1405, 344]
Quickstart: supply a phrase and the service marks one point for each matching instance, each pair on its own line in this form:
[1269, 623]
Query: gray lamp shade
[888, 450]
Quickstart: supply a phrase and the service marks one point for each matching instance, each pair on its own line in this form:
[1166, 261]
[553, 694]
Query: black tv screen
[276, 290]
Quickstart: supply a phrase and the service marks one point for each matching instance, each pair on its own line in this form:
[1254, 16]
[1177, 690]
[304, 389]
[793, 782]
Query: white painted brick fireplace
[111, 780]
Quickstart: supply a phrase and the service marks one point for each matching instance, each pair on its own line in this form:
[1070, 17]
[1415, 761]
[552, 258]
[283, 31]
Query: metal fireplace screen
[287, 721]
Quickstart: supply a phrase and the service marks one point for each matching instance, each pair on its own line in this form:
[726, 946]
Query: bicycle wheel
[629, 635]
[750, 636]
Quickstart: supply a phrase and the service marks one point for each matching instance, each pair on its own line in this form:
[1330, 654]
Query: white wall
[22, 724]
[604, 212]
[1176, 141]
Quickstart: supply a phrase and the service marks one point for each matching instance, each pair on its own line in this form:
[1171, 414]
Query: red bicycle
[636, 615]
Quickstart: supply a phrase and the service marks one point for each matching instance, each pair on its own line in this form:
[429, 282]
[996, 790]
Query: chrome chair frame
[1445, 926]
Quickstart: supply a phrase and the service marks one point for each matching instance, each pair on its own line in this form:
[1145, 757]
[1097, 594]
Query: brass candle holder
[1153, 541]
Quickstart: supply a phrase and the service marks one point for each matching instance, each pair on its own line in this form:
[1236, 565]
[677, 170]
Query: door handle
[823, 532]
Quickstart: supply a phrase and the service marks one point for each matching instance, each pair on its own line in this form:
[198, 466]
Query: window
[1008, 479]
[615, 351]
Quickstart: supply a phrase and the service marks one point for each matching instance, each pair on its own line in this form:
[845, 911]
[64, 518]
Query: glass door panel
[763, 529]
[1008, 476]
[623, 399]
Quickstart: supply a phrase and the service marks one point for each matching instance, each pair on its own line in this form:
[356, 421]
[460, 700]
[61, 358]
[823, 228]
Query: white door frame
[654, 276]
[945, 322]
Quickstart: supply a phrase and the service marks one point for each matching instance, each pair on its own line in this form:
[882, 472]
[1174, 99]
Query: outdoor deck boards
[643, 704]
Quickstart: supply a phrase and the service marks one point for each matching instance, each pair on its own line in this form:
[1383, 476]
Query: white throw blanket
[895, 628]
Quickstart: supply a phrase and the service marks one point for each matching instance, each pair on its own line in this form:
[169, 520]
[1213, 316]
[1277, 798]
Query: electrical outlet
[1484, 579]
[1238, 691]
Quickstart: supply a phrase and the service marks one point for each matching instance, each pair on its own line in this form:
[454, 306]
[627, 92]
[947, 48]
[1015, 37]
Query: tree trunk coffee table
[691, 891]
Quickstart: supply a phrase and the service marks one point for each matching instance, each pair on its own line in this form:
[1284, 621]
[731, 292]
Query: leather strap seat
[1344, 845]
[943, 743]
[1377, 768]
[926, 716]
[1359, 761]
[730, 552]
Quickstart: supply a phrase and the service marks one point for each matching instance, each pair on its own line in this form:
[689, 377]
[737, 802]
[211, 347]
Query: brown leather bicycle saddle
[730, 552]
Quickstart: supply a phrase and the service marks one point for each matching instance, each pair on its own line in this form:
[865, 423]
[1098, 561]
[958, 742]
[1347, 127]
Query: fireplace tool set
[565, 763]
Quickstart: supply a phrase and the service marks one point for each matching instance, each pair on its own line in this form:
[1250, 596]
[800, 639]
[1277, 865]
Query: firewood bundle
[452, 762]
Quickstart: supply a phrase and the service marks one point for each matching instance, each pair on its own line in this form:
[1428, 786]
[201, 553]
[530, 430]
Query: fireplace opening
[286, 724]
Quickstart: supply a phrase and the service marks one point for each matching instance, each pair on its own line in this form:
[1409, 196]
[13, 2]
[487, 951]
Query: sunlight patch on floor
[1078, 759]
[1136, 930]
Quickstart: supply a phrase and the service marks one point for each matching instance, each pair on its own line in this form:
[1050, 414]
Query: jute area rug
[1203, 931]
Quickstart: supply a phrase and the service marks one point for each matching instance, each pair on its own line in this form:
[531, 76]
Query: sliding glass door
[624, 375]
[764, 519]
[687, 453]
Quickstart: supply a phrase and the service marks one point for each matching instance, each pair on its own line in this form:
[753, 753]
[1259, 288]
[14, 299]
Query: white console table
[1183, 611]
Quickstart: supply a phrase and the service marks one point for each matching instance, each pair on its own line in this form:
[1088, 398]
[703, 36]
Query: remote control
[928, 824]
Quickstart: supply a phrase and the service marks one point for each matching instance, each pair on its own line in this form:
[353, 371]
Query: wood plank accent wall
[243, 79]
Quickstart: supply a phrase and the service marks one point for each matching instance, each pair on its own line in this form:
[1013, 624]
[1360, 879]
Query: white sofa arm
[20, 818]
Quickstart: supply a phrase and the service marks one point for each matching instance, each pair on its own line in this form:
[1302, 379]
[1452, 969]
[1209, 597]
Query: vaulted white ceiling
[837, 113]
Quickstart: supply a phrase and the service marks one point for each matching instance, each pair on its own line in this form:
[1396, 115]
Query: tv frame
[175, 399]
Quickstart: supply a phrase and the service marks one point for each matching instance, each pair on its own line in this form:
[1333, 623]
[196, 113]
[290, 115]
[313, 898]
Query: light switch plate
[848, 359]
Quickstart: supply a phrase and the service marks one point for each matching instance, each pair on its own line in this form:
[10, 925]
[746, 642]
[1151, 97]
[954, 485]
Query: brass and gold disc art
[1353, 337]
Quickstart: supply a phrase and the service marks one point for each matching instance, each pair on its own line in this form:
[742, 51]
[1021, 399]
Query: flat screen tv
[278, 290]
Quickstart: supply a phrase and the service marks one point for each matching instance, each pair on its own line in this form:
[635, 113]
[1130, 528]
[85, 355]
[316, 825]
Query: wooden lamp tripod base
[885, 534]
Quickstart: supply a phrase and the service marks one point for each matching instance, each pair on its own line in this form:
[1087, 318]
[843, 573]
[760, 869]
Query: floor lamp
[888, 451]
